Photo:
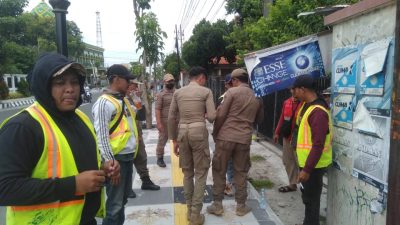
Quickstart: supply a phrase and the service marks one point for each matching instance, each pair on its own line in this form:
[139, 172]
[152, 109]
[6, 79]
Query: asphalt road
[4, 114]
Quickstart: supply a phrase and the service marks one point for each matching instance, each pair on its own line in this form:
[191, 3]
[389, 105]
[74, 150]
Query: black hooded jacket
[22, 141]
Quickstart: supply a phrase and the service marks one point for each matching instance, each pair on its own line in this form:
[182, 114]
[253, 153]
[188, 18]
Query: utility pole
[177, 50]
[60, 10]
[181, 34]
[393, 210]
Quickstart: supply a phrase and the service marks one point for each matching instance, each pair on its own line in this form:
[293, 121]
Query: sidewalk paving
[167, 205]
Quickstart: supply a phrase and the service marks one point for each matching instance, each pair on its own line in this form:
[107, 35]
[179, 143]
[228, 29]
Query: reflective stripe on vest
[120, 136]
[56, 161]
[304, 139]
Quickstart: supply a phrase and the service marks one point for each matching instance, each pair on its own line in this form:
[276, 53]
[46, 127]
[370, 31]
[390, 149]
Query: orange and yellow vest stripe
[120, 136]
[57, 160]
[304, 141]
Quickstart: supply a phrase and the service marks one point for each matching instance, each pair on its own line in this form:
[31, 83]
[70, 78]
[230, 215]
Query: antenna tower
[98, 30]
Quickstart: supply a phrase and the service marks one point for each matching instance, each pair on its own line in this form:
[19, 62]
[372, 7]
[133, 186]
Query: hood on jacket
[40, 78]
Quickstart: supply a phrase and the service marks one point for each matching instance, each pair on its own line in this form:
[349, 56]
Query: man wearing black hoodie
[49, 165]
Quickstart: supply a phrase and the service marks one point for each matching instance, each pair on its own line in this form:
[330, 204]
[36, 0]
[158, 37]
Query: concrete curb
[255, 195]
[12, 103]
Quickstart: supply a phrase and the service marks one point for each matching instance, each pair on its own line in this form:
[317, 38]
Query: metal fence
[273, 107]
[217, 85]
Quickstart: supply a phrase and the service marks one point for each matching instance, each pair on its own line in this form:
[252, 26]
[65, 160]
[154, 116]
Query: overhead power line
[210, 8]
[218, 10]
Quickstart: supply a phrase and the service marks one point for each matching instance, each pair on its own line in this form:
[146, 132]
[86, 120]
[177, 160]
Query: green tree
[207, 45]
[136, 69]
[171, 65]
[23, 88]
[12, 7]
[246, 9]
[281, 25]
[24, 36]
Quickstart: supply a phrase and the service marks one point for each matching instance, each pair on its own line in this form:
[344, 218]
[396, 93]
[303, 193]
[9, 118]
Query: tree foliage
[24, 36]
[281, 25]
[149, 37]
[171, 65]
[207, 44]
[246, 9]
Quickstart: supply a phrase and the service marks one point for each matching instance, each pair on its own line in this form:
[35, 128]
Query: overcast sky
[118, 22]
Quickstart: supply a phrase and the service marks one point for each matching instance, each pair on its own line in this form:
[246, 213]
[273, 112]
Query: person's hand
[115, 180]
[276, 138]
[89, 181]
[160, 127]
[112, 170]
[176, 148]
[303, 177]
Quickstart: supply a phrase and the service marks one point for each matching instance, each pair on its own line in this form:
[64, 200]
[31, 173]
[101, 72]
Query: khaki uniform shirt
[163, 102]
[236, 115]
[191, 103]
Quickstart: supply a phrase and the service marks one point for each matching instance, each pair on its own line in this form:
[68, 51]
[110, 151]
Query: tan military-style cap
[168, 77]
[239, 73]
[135, 81]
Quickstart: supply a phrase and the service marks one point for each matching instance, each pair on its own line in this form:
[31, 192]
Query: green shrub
[23, 88]
[14, 95]
[3, 90]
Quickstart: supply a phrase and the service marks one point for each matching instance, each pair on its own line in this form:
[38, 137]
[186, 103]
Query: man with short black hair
[313, 141]
[232, 133]
[192, 104]
[117, 139]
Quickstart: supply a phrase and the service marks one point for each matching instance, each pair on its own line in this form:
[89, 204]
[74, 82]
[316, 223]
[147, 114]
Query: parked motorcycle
[87, 97]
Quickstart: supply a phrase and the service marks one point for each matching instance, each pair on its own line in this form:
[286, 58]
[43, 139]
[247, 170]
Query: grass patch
[258, 184]
[257, 158]
[15, 95]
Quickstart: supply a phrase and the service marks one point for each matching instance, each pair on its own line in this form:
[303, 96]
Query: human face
[235, 82]
[298, 93]
[133, 87]
[65, 90]
[122, 84]
[203, 80]
[228, 85]
[169, 84]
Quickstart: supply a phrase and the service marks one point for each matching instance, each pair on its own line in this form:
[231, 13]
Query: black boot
[160, 162]
[147, 184]
[132, 194]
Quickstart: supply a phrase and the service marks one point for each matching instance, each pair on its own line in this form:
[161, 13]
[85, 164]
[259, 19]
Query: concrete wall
[349, 198]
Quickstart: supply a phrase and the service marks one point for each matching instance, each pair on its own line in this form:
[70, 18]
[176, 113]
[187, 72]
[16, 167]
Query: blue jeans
[117, 196]
[229, 171]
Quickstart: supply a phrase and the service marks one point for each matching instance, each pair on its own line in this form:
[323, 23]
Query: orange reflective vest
[57, 160]
[120, 136]
[304, 141]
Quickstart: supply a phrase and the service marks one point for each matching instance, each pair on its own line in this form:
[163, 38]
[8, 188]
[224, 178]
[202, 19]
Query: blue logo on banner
[278, 71]
[302, 62]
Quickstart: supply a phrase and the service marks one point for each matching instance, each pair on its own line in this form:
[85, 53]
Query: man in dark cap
[117, 138]
[232, 132]
[313, 142]
[49, 166]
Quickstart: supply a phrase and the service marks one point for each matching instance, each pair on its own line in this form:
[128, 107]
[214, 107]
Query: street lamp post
[60, 10]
